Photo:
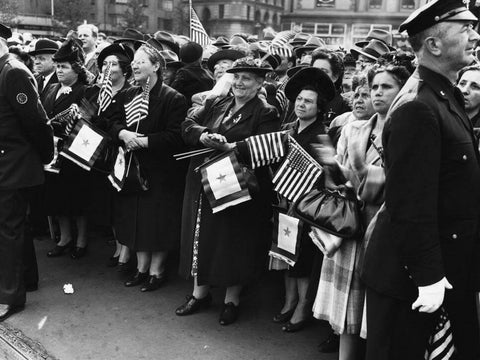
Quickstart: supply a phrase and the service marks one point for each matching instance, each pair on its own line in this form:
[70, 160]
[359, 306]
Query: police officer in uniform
[26, 143]
[425, 240]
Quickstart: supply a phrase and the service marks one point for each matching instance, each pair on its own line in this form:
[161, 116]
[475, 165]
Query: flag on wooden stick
[197, 31]
[119, 171]
[280, 45]
[266, 149]
[137, 109]
[105, 95]
[286, 238]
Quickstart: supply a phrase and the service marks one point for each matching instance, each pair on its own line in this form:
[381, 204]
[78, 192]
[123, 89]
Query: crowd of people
[399, 127]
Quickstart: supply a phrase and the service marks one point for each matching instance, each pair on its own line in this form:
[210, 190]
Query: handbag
[336, 211]
[135, 179]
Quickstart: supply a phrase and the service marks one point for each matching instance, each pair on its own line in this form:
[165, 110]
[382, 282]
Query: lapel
[358, 141]
[238, 118]
[63, 97]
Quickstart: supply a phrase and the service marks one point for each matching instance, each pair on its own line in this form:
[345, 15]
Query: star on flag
[221, 178]
[85, 143]
[286, 232]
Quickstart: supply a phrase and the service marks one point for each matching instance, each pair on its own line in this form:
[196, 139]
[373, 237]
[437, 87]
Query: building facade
[344, 22]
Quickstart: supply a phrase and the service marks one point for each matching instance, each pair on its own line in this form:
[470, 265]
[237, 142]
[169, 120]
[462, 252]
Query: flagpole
[190, 7]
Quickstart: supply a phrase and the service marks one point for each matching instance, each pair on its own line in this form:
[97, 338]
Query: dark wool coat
[428, 228]
[66, 193]
[150, 220]
[192, 79]
[233, 243]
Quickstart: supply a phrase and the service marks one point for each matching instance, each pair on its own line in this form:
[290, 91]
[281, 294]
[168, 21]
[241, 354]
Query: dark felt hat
[312, 44]
[293, 70]
[119, 49]
[377, 34]
[171, 59]
[434, 12]
[190, 52]
[249, 64]
[130, 35]
[167, 39]
[5, 32]
[44, 46]
[221, 41]
[299, 39]
[227, 54]
[373, 50]
[310, 76]
[152, 42]
[70, 51]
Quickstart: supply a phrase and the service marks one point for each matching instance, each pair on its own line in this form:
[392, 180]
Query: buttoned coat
[150, 220]
[233, 243]
[192, 79]
[428, 228]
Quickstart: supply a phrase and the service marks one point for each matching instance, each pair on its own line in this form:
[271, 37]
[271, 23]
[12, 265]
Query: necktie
[41, 81]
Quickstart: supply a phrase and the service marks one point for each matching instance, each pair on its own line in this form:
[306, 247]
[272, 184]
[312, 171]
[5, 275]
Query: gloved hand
[430, 297]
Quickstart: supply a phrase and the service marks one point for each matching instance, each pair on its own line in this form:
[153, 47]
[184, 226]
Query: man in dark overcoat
[26, 143]
[424, 249]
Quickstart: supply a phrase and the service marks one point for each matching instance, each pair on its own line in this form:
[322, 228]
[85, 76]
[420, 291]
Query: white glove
[430, 297]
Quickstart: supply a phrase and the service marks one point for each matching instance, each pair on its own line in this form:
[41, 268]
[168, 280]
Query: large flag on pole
[197, 31]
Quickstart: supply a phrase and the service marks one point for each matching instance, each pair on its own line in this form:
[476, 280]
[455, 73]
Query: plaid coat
[340, 295]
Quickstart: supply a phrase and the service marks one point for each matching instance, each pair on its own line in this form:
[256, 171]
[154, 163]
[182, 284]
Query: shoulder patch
[22, 98]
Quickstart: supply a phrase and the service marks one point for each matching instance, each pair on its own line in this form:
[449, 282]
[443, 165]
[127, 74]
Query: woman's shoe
[229, 314]
[78, 252]
[58, 250]
[154, 282]
[283, 318]
[294, 327]
[192, 305]
[112, 261]
[137, 279]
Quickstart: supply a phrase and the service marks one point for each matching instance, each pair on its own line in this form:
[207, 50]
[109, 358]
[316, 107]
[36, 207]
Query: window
[160, 23]
[121, 1]
[408, 4]
[221, 11]
[375, 4]
[266, 17]
[248, 12]
[167, 25]
[167, 5]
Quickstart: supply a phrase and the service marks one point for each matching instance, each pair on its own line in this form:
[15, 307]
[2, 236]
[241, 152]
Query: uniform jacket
[428, 227]
[192, 79]
[25, 138]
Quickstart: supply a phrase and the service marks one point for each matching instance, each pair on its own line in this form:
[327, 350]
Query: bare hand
[215, 141]
[137, 143]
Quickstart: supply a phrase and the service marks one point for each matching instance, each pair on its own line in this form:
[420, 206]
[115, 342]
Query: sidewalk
[104, 320]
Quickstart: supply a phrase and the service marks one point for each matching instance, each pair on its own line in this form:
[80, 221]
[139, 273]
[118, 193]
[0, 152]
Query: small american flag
[197, 31]
[280, 45]
[105, 95]
[137, 109]
[298, 173]
[266, 149]
[440, 345]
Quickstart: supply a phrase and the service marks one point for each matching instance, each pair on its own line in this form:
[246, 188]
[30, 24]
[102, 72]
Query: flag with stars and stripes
[105, 95]
[440, 345]
[224, 182]
[297, 174]
[84, 145]
[286, 238]
[137, 109]
[280, 45]
[197, 31]
[118, 174]
[266, 149]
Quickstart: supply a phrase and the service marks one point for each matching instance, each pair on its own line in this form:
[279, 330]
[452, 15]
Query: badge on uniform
[22, 98]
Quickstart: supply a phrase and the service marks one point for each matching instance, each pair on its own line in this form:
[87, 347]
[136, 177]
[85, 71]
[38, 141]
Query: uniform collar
[442, 86]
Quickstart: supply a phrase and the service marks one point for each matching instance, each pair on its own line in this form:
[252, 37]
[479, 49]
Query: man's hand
[430, 297]
[216, 141]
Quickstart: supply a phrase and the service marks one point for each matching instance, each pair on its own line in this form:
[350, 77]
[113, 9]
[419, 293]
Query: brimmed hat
[434, 12]
[373, 50]
[299, 39]
[227, 54]
[70, 51]
[152, 42]
[313, 77]
[167, 39]
[249, 64]
[171, 59]
[115, 49]
[293, 70]
[221, 41]
[237, 42]
[131, 35]
[377, 34]
[312, 44]
[44, 46]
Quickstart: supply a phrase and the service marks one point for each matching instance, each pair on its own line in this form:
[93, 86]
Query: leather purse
[334, 211]
[135, 179]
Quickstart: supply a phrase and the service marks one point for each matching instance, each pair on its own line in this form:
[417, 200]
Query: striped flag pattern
[266, 149]
[440, 345]
[137, 109]
[105, 95]
[197, 31]
[280, 45]
[298, 173]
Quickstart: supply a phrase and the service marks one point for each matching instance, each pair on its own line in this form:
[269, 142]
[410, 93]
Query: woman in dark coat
[226, 248]
[310, 89]
[68, 192]
[148, 222]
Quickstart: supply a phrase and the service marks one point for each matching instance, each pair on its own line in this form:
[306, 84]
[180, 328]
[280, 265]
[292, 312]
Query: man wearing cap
[423, 253]
[44, 66]
[25, 144]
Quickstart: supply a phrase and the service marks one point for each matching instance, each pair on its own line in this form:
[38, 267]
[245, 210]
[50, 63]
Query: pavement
[105, 320]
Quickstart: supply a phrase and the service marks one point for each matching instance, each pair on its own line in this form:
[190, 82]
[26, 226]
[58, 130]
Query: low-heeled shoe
[112, 261]
[283, 318]
[154, 282]
[58, 250]
[330, 344]
[78, 252]
[229, 314]
[294, 327]
[192, 305]
[137, 279]
[9, 310]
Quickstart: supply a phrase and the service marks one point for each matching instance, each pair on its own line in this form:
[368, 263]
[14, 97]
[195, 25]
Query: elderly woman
[226, 248]
[67, 194]
[340, 298]
[310, 89]
[148, 222]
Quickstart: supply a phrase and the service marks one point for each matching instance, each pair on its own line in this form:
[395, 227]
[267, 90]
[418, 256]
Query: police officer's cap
[5, 32]
[434, 12]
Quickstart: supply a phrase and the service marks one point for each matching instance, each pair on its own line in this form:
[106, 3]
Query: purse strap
[379, 150]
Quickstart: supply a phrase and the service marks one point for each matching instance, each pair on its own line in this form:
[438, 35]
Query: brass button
[464, 157]
[454, 236]
[2, 152]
